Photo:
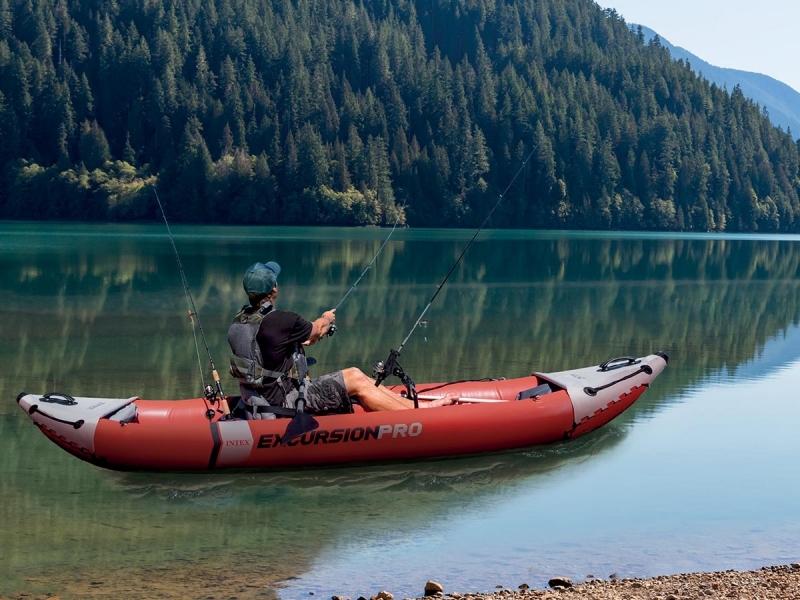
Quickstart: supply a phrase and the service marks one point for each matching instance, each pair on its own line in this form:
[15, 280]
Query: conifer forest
[340, 112]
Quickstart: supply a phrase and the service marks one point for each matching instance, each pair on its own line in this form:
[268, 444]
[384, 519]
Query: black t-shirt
[277, 337]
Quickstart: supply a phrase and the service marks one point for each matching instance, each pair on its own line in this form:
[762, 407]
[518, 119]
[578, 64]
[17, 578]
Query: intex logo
[351, 434]
[237, 442]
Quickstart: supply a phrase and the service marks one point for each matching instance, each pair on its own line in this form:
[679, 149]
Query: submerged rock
[564, 582]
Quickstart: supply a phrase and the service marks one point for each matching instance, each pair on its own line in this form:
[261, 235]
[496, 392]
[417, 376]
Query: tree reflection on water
[99, 310]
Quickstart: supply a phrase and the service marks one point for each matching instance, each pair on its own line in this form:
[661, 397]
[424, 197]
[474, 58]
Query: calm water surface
[700, 474]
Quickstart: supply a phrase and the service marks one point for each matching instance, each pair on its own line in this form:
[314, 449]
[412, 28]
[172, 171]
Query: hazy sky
[761, 36]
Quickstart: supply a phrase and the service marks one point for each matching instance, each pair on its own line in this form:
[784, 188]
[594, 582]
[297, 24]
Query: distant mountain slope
[781, 100]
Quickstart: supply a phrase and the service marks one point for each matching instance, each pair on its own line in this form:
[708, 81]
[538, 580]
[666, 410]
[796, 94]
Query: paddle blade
[301, 423]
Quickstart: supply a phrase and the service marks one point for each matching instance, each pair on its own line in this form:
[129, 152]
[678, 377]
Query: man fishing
[266, 343]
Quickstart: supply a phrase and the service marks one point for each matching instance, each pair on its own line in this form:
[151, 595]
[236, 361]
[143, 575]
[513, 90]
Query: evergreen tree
[93, 147]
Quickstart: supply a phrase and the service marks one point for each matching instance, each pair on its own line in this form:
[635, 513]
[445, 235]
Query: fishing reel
[211, 395]
[381, 370]
[331, 330]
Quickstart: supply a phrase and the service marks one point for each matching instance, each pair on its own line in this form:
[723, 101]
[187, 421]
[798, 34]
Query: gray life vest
[246, 360]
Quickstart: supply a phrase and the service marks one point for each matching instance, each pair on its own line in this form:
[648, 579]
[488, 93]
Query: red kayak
[503, 414]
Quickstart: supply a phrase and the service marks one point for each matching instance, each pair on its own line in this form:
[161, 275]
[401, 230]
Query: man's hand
[321, 327]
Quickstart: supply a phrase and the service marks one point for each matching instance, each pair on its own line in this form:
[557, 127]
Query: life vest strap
[248, 372]
[275, 410]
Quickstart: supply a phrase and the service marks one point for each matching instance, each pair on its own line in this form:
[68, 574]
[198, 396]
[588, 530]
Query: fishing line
[333, 328]
[210, 393]
[453, 268]
[382, 370]
[369, 266]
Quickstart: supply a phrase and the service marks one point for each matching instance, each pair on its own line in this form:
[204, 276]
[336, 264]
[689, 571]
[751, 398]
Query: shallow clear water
[709, 483]
[700, 474]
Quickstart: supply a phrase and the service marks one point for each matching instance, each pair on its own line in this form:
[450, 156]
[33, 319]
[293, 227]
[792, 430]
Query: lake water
[700, 474]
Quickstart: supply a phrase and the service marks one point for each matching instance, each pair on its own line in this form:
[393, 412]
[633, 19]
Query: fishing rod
[210, 393]
[382, 369]
[333, 327]
[302, 422]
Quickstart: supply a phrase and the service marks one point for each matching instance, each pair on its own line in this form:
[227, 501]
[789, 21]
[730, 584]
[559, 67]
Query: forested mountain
[781, 101]
[332, 111]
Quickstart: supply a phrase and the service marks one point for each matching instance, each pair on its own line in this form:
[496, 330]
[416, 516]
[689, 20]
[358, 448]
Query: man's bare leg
[373, 397]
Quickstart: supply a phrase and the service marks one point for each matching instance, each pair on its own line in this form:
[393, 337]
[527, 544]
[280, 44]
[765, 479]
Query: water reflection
[464, 476]
[105, 519]
[93, 306]
[99, 310]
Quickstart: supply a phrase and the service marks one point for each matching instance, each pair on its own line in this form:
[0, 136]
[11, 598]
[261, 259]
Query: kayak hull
[178, 435]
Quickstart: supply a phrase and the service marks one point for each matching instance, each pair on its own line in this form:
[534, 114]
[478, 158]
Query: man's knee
[355, 379]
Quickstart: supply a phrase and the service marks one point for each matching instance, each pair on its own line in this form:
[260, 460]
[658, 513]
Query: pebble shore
[768, 583]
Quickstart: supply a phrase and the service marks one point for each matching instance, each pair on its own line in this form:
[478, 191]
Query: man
[264, 341]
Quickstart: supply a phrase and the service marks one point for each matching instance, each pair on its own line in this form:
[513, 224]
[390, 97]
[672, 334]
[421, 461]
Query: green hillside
[330, 111]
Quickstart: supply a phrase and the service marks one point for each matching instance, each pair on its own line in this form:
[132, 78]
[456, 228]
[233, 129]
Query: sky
[760, 36]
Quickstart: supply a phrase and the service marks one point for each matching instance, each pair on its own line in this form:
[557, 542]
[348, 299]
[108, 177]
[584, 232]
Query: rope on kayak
[442, 385]
[35, 408]
[210, 394]
[382, 369]
[592, 391]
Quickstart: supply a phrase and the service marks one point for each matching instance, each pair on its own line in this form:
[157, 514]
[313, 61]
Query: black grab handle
[623, 360]
[59, 398]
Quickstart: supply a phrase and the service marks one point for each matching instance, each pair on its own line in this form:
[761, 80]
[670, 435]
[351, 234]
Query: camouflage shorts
[324, 394]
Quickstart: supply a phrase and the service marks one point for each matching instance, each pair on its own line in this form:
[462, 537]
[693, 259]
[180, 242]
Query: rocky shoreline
[769, 583]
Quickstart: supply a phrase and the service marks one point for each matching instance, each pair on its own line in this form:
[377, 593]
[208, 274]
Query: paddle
[302, 422]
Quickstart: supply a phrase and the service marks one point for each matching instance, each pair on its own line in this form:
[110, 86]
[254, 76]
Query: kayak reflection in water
[267, 343]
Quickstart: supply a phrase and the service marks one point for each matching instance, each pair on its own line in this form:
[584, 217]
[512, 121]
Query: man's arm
[320, 327]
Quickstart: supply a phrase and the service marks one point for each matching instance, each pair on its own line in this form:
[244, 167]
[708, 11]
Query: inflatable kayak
[490, 416]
